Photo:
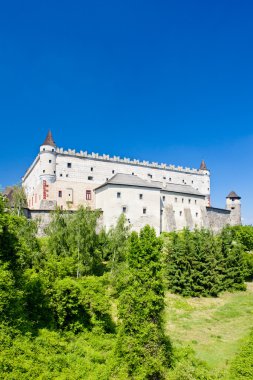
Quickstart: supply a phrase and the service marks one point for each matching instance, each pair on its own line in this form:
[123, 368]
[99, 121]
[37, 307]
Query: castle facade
[166, 197]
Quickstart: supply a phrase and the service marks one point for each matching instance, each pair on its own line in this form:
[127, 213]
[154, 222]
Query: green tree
[142, 345]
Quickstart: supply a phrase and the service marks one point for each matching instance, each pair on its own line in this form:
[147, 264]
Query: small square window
[189, 201]
[54, 171]
[67, 175]
[182, 200]
[53, 150]
[164, 177]
[176, 200]
[170, 179]
[141, 196]
[44, 149]
[192, 181]
[50, 161]
[180, 213]
[43, 171]
[150, 175]
[197, 214]
[61, 175]
[91, 169]
[144, 210]
[90, 178]
[163, 198]
[60, 194]
[113, 171]
[195, 201]
[124, 209]
[118, 195]
[69, 164]
[132, 173]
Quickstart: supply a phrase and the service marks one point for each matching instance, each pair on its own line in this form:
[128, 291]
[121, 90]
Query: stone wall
[217, 218]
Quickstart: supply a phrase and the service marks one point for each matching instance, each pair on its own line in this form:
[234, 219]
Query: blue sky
[167, 81]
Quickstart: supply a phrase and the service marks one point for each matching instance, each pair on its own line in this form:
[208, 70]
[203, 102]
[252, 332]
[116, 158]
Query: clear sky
[161, 80]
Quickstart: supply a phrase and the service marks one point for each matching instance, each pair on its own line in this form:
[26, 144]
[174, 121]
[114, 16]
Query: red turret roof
[203, 165]
[49, 139]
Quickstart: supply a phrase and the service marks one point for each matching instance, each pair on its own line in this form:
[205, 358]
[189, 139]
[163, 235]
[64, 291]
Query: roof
[134, 180]
[203, 165]
[49, 139]
[233, 194]
[129, 180]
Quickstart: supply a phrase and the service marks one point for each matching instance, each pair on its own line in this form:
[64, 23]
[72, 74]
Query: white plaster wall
[180, 202]
[106, 199]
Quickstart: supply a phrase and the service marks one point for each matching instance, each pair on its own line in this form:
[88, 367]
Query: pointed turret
[49, 139]
[233, 195]
[203, 165]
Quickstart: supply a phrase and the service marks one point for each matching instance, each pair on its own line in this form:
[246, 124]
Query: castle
[166, 197]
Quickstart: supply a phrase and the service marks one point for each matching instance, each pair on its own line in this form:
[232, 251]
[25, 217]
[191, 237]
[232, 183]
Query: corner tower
[206, 182]
[48, 159]
[233, 203]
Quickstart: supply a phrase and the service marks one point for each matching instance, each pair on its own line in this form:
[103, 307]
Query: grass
[213, 327]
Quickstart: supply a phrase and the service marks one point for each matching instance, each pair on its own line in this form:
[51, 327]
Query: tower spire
[203, 165]
[49, 139]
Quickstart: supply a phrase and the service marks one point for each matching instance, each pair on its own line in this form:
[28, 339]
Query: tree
[142, 345]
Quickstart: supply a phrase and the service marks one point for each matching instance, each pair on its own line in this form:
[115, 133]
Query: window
[88, 195]
[124, 209]
[164, 177]
[182, 200]
[163, 198]
[132, 173]
[67, 175]
[43, 171]
[192, 181]
[53, 150]
[141, 196]
[69, 164]
[170, 179]
[90, 178]
[197, 214]
[150, 175]
[118, 195]
[113, 171]
[195, 201]
[176, 200]
[54, 171]
[61, 175]
[91, 169]
[50, 161]
[44, 149]
[189, 201]
[232, 208]
[60, 194]
[180, 213]
[144, 211]
[107, 179]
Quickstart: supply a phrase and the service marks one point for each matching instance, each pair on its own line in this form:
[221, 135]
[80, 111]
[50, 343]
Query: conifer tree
[141, 340]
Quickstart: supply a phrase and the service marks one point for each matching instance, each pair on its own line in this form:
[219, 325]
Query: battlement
[125, 160]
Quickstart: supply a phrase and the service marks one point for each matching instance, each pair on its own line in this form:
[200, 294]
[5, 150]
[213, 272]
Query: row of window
[163, 198]
[144, 210]
[87, 194]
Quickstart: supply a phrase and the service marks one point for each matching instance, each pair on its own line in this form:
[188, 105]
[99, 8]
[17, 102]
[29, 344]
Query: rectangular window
[60, 194]
[112, 171]
[195, 201]
[69, 165]
[90, 178]
[118, 195]
[141, 196]
[61, 175]
[163, 198]
[150, 175]
[91, 169]
[175, 200]
[88, 195]
[50, 161]
[197, 214]
[182, 200]
[180, 213]
[189, 201]
[170, 179]
[164, 177]
[144, 210]
[124, 209]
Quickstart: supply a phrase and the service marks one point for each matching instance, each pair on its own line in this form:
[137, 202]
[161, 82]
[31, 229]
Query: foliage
[242, 365]
[201, 264]
[141, 342]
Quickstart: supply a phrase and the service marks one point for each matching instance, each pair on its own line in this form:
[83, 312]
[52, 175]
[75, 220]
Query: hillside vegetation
[87, 304]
